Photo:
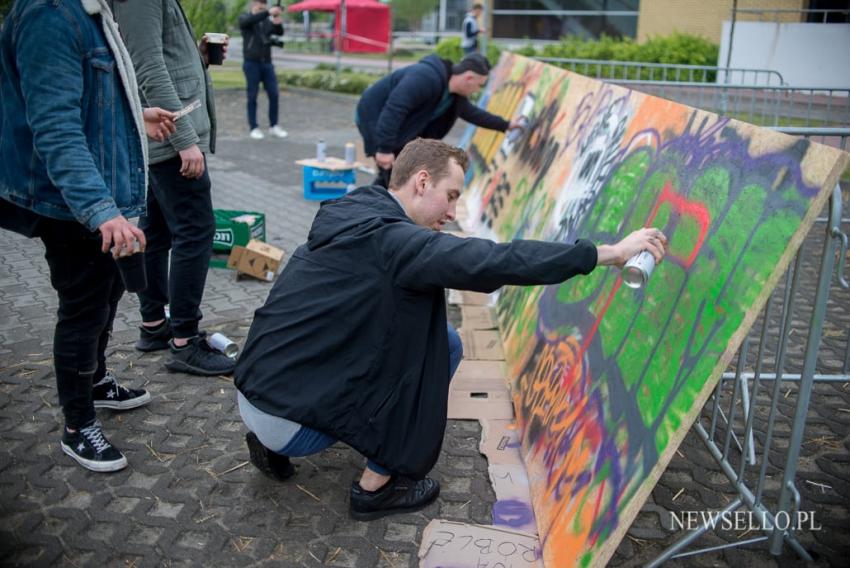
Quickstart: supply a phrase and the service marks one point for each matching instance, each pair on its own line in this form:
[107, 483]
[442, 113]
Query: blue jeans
[257, 72]
[308, 441]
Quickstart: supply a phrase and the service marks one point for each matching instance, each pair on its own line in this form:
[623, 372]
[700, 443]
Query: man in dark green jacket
[352, 342]
[422, 100]
[172, 74]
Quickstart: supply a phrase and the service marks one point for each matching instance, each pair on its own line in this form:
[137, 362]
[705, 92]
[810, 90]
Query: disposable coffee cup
[132, 269]
[215, 47]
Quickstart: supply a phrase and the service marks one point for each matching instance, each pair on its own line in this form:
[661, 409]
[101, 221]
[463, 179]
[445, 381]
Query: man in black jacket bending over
[422, 100]
[261, 28]
[352, 342]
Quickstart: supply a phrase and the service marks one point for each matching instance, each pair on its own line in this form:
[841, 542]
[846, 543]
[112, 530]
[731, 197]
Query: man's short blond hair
[426, 154]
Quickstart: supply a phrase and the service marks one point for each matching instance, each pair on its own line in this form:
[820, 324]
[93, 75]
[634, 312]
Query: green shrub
[449, 48]
[346, 82]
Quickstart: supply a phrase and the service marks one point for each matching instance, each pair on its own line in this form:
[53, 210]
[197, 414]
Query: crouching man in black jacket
[352, 342]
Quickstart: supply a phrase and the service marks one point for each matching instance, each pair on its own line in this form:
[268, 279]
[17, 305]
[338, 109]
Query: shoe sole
[98, 466]
[373, 515]
[182, 367]
[124, 405]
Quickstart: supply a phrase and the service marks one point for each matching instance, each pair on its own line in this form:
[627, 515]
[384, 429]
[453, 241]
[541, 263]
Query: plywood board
[606, 380]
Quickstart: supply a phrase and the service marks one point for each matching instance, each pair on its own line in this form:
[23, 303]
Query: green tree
[207, 16]
[409, 12]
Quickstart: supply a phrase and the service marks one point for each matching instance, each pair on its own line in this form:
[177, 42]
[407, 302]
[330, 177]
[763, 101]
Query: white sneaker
[278, 131]
[257, 134]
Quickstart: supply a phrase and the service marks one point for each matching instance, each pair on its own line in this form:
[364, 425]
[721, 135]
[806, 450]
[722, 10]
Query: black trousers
[89, 286]
[179, 219]
[383, 177]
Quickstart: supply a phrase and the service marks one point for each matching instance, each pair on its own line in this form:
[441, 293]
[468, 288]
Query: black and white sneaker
[198, 358]
[109, 394]
[89, 448]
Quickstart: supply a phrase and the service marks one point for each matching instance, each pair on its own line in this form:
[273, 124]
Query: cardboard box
[258, 259]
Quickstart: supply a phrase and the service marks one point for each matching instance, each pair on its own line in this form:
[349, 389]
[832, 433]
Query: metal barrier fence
[666, 72]
[814, 107]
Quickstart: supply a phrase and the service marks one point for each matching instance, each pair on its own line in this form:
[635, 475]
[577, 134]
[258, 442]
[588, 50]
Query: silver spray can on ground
[320, 150]
[350, 153]
[638, 269]
[221, 342]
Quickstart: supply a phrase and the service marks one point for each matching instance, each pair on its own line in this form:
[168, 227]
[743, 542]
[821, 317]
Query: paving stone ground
[189, 497]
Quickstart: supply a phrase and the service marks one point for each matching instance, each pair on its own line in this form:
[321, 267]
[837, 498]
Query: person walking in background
[422, 100]
[73, 156]
[471, 29]
[261, 28]
[172, 73]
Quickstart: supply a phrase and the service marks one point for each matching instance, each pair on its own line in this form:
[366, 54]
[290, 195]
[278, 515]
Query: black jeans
[89, 286]
[383, 177]
[179, 219]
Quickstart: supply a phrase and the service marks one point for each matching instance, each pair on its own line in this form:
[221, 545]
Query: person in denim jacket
[171, 68]
[72, 149]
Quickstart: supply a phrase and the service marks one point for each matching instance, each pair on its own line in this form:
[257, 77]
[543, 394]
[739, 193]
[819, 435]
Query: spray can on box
[638, 269]
[222, 343]
[321, 150]
[350, 153]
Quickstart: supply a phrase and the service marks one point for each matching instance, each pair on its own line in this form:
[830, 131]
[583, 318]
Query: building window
[553, 19]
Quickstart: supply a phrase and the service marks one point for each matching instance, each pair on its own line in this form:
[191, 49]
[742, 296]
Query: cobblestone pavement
[189, 496]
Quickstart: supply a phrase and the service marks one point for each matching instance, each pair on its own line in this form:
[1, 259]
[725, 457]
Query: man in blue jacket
[73, 157]
[352, 342]
[422, 101]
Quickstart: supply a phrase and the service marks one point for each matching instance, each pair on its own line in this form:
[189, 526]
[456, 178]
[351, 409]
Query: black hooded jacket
[352, 339]
[257, 30]
[399, 107]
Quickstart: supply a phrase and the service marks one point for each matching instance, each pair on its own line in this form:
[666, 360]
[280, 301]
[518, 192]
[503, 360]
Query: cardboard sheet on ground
[481, 344]
[512, 508]
[608, 380]
[478, 317]
[464, 297]
[458, 545]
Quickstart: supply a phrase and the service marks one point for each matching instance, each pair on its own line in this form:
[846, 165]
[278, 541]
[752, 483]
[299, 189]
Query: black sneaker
[399, 495]
[154, 338]
[198, 358]
[89, 448]
[274, 465]
[109, 394]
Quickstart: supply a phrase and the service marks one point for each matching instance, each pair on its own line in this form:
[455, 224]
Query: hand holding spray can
[638, 269]
[222, 343]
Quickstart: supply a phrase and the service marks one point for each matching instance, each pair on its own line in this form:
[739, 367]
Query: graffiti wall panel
[606, 379]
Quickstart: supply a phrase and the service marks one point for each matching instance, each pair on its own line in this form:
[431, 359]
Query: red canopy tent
[367, 23]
